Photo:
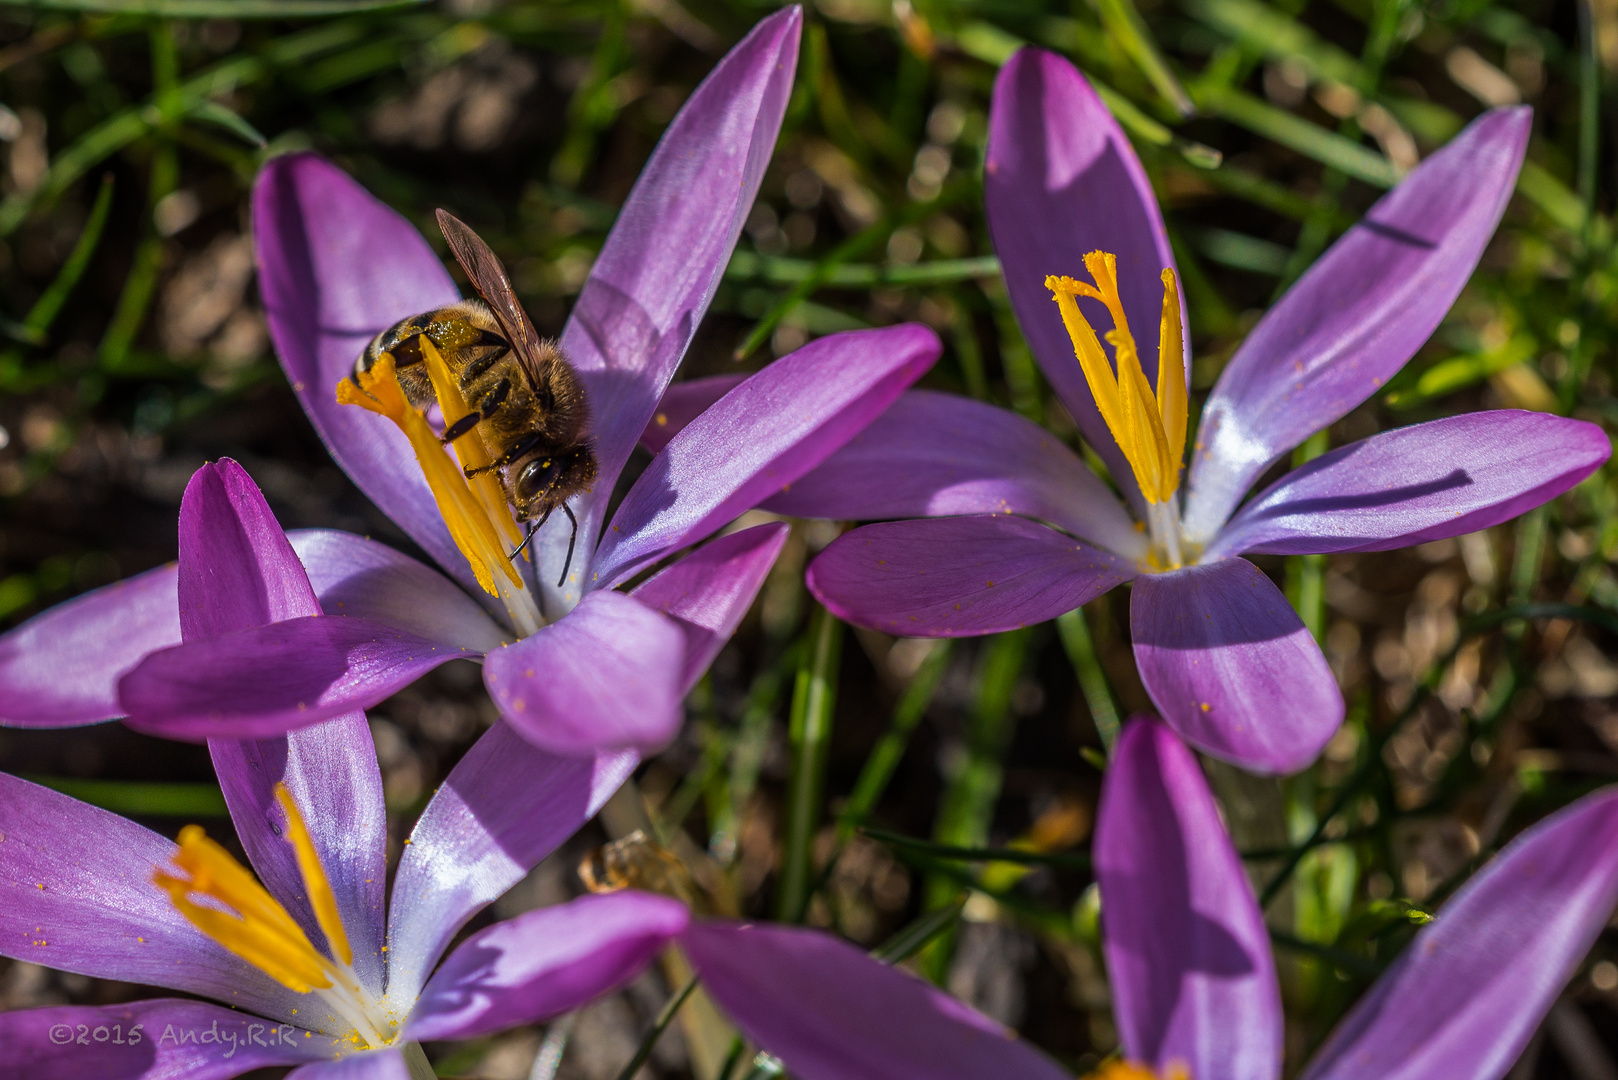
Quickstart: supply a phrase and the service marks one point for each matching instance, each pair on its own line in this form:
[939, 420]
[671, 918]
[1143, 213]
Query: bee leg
[517, 451]
[571, 540]
[486, 408]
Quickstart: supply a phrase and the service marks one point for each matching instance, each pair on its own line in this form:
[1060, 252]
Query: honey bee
[527, 401]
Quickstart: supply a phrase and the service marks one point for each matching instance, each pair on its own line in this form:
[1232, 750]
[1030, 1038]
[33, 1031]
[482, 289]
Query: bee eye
[536, 478]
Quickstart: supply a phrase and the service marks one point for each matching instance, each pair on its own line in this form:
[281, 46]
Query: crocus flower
[1193, 980]
[317, 966]
[574, 667]
[1225, 658]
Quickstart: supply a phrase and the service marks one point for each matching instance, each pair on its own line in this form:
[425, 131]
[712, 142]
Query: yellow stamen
[1171, 398]
[471, 449]
[321, 897]
[257, 928]
[1134, 1070]
[465, 514]
[1149, 427]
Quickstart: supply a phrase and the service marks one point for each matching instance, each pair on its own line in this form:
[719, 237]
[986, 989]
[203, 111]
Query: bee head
[547, 480]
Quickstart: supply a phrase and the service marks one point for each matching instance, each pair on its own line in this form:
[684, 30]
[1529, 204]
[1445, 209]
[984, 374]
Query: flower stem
[813, 700]
[1081, 653]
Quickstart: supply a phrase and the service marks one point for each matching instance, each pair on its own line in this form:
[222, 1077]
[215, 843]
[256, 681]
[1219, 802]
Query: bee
[527, 401]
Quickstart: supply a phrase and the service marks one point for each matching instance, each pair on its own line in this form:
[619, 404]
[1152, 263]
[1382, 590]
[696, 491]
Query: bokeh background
[946, 792]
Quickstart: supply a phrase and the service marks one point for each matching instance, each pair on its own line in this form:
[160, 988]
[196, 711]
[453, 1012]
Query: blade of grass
[1306, 574]
[861, 242]
[1296, 133]
[50, 302]
[123, 128]
[912, 938]
[1124, 24]
[967, 806]
[224, 9]
[774, 270]
[884, 757]
[814, 698]
[660, 1025]
[141, 283]
[1066, 860]
[142, 798]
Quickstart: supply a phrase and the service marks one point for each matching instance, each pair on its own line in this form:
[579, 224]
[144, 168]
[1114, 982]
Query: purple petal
[1357, 315]
[386, 1064]
[707, 592]
[832, 1013]
[1061, 180]
[682, 403]
[61, 667]
[544, 963]
[938, 455]
[237, 569]
[1231, 667]
[605, 676]
[959, 577]
[505, 806]
[759, 438]
[331, 771]
[156, 1039]
[1187, 951]
[76, 894]
[1419, 483]
[271, 679]
[337, 267]
[356, 576]
[238, 573]
[654, 278]
[1466, 995]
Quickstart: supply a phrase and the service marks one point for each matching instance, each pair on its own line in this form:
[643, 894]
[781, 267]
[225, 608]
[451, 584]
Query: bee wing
[488, 276]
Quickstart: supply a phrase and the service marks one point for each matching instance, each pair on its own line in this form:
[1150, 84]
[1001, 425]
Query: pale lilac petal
[758, 439]
[682, 403]
[336, 267]
[1188, 955]
[354, 575]
[76, 894]
[505, 806]
[707, 592]
[238, 572]
[1357, 315]
[959, 577]
[658, 270]
[61, 667]
[1469, 991]
[938, 455]
[331, 771]
[1419, 483]
[544, 963]
[830, 1012]
[1061, 180]
[1231, 667]
[271, 679]
[606, 676]
[385, 1064]
[156, 1039]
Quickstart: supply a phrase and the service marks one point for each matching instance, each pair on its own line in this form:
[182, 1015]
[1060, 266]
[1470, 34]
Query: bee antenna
[532, 529]
[571, 540]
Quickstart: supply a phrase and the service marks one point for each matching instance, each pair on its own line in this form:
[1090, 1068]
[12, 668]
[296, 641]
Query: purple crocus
[576, 667]
[1193, 980]
[317, 966]
[1035, 533]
